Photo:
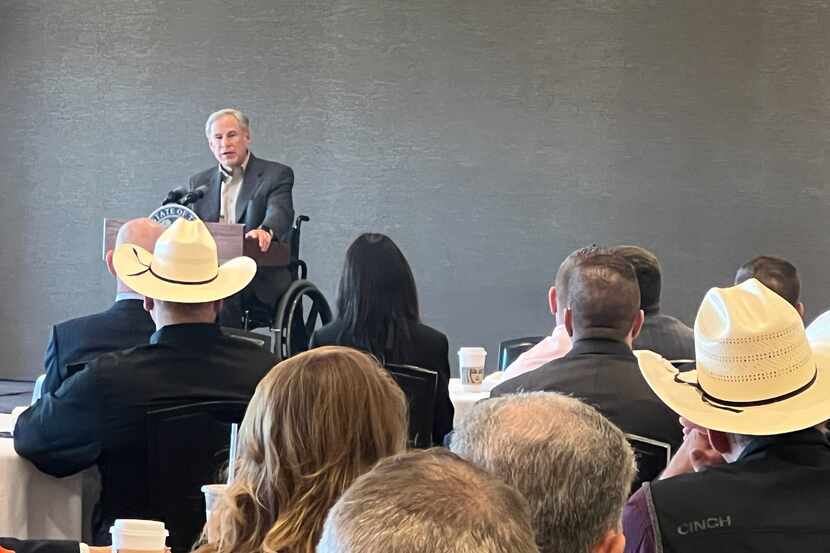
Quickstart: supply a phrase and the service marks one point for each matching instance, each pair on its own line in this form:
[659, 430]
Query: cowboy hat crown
[184, 266]
[756, 372]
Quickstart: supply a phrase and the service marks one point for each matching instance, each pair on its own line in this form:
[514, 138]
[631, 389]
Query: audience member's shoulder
[427, 333]
[328, 335]
[80, 324]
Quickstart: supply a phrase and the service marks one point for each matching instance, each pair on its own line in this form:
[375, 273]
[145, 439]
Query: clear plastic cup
[213, 493]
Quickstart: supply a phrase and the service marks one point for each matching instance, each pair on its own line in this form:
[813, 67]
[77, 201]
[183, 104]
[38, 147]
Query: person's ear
[108, 261]
[800, 308]
[612, 542]
[637, 324]
[720, 441]
[569, 321]
[149, 304]
[552, 301]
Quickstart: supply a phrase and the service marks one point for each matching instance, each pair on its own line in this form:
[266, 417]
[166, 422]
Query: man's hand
[261, 236]
[695, 453]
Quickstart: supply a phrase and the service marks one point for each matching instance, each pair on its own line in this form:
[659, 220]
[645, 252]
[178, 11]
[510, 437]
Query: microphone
[194, 196]
[174, 195]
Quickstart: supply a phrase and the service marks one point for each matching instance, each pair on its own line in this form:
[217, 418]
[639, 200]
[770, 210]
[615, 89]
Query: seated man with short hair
[97, 415]
[123, 325]
[428, 501]
[572, 465]
[661, 333]
[603, 318]
[752, 474]
[558, 343]
[777, 274]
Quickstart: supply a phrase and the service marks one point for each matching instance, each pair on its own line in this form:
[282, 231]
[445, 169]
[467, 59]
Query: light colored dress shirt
[552, 347]
[128, 296]
[231, 184]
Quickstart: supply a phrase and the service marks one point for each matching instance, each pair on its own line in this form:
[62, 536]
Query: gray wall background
[488, 139]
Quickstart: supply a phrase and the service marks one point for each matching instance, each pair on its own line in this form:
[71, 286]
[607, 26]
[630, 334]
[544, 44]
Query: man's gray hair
[428, 501]
[571, 463]
[244, 122]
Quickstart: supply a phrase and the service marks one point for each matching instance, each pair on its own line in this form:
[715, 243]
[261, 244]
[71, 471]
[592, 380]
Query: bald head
[142, 232]
[603, 299]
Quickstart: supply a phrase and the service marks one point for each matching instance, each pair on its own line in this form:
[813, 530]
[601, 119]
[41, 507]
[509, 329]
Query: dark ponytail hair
[377, 298]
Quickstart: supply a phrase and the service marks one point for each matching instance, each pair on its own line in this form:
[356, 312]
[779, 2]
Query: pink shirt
[552, 347]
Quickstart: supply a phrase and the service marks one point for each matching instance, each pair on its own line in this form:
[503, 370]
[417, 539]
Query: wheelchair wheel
[301, 310]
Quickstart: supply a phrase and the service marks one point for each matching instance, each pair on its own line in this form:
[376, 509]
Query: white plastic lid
[142, 535]
[472, 355]
[132, 525]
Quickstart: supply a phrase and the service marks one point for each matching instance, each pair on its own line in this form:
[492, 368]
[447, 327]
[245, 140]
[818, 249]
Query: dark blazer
[605, 374]
[97, 415]
[264, 200]
[74, 342]
[667, 336]
[264, 196]
[40, 546]
[430, 350]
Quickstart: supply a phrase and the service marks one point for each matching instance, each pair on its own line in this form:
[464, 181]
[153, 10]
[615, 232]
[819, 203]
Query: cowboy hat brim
[679, 392]
[131, 263]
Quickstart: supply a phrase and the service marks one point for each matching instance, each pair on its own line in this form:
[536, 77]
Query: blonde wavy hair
[316, 422]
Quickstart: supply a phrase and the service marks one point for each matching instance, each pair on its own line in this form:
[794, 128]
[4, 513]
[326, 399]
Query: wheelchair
[301, 309]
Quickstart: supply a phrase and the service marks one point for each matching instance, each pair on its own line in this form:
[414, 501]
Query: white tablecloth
[463, 400]
[33, 504]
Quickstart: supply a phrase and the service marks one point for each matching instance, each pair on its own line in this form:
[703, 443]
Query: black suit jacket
[429, 350]
[667, 336]
[124, 325]
[264, 200]
[40, 546]
[97, 415]
[605, 374]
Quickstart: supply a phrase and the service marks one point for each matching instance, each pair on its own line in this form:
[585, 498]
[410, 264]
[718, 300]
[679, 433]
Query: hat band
[727, 405]
[149, 268]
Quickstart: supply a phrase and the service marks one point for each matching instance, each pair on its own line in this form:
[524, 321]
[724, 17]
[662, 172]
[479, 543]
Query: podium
[230, 243]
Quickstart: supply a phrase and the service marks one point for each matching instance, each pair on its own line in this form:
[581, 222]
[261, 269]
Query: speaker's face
[229, 141]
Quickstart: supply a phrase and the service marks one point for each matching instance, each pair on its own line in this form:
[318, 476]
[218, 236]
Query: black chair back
[652, 458]
[420, 386]
[187, 447]
[509, 350]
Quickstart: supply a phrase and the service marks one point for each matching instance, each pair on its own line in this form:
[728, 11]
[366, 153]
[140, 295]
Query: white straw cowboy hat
[756, 372]
[184, 266]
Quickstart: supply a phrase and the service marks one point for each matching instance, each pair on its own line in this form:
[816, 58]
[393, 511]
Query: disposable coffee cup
[213, 493]
[130, 535]
[471, 366]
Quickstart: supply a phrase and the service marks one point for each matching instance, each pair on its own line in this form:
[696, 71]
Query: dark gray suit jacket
[264, 200]
[74, 342]
[667, 336]
[264, 196]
